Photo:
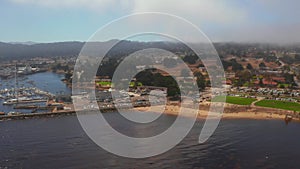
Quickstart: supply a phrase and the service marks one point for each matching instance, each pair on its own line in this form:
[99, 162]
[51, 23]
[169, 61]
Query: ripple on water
[60, 142]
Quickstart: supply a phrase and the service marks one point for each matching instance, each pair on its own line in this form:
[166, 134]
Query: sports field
[279, 104]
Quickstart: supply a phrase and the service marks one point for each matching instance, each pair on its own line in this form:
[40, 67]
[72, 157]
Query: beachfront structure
[24, 70]
[149, 88]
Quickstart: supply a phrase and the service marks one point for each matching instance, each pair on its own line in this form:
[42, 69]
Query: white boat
[12, 113]
[23, 100]
[10, 101]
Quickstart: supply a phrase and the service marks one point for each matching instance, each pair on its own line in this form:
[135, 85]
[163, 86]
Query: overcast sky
[220, 20]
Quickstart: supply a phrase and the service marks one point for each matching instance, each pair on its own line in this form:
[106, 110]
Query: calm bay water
[46, 81]
[60, 142]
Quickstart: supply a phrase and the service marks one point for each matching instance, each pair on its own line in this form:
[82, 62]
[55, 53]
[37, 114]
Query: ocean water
[60, 142]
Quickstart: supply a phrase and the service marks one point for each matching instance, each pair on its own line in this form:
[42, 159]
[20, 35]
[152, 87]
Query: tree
[226, 64]
[200, 81]
[156, 79]
[286, 68]
[236, 66]
[261, 84]
[262, 65]
[191, 59]
[289, 79]
[249, 66]
[281, 86]
[244, 76]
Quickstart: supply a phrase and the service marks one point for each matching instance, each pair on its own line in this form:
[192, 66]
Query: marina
[31, 93]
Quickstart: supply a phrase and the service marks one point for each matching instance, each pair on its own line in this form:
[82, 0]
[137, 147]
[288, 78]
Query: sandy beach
[230, 112]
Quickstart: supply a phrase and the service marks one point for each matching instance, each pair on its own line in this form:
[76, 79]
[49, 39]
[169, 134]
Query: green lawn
[279, 104]
[110, 83]
[284, 85]
[132, 84]
[104, 83]
[234, 100]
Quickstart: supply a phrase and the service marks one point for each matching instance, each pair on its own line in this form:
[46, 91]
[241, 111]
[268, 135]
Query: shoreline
[240, 112]
[251, 113]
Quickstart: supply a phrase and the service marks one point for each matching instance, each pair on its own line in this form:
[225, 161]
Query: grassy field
[138, 84]
[234, 100]
[110, 83]
[104, 83]
[279, 104]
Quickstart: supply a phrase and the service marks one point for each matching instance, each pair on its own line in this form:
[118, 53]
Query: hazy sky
[230, 20]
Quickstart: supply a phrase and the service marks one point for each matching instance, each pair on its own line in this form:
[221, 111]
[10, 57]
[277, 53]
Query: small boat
[10, 101]
[12, 113]
[24, 100]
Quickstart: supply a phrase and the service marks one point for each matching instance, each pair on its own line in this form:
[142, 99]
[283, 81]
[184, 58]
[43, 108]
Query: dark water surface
[60, 142]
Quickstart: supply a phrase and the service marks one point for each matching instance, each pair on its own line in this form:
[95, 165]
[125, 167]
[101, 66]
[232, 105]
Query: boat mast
[16, 84]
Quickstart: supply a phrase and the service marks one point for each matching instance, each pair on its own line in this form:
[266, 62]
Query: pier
[50, 114]
[33, 115]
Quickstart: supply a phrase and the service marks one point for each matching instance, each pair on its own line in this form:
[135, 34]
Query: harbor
[24, 95]
[33, 93]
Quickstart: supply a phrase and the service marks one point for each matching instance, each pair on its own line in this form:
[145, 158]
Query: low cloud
[256, 20]
[99, 5]
[201, 10]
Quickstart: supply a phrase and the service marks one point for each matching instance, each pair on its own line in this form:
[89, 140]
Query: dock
[34, 115]
[49, 114]
[24, 102]
[26, 107]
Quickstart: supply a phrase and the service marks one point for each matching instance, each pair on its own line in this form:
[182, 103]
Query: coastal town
[256, 77]
[148, 84]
